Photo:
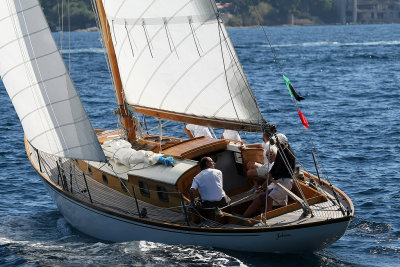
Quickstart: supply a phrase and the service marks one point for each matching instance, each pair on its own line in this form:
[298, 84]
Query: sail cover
[39, 85]
[176, 56]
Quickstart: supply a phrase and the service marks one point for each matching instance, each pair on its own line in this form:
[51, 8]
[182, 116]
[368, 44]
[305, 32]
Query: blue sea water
[349, 76]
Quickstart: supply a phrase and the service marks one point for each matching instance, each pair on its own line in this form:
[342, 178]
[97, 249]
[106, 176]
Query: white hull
[106, 226]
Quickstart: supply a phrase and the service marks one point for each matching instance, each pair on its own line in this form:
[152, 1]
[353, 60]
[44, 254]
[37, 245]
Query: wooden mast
[126, 119]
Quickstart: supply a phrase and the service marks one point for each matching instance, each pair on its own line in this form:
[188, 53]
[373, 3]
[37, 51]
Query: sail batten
[39, 86]
[176, 57]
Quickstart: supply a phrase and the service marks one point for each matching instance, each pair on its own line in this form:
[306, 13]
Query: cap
[282, 139]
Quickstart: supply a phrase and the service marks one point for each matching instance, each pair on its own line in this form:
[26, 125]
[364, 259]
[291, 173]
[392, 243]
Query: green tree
[263, 13]
[286, 6]
[77, 12]
[324, 9]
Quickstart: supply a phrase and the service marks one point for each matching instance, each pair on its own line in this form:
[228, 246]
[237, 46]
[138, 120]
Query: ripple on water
[9, 256]
[373, 228]
[386, 250]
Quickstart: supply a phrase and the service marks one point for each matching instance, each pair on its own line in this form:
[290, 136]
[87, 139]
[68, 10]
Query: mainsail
[175, 57]
[40, 87]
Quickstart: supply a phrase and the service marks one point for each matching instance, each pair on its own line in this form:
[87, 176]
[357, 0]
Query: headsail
[39, 85]
[176, 59]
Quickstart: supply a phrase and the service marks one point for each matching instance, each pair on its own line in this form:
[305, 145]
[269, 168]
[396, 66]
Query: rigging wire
[103, 40]
[266, 189]
[226, 75]
[59, 25]
[295, 103]
[236, 62]
[267, 38]
[288, 167]
[69, 36]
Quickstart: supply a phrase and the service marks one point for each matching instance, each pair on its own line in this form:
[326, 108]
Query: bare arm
[192, 192]
[267, 181]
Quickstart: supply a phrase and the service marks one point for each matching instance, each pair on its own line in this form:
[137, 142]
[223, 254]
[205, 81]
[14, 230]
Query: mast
[126, 119]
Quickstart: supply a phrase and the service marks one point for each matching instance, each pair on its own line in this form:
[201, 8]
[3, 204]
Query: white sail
[39, 85]
[176, 56]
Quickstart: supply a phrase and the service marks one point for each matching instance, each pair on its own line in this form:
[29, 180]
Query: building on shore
[367, 11]
[346, 10]
[378, 12]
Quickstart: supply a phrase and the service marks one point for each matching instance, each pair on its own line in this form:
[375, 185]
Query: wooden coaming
[251, 154]
[193, 148]
[185, 181]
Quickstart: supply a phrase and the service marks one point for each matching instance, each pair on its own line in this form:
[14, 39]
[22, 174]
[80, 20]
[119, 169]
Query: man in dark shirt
[282, 172]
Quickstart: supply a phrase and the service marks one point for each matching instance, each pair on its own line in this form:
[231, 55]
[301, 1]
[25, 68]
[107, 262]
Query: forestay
[39, 85]
[176, 56]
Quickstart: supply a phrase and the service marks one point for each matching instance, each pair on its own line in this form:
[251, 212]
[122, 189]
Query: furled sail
[39, 85]
[175, 57]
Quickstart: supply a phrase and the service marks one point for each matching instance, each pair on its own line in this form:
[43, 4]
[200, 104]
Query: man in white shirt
[193, 130]
[210, 186]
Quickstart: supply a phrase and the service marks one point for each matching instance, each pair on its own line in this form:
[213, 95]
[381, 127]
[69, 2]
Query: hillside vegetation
[278, 12]
[78, 14]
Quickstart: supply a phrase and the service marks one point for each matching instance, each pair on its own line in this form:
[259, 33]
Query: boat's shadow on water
[322, 258]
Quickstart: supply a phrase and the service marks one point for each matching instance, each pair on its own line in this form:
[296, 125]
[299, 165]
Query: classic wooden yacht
[174, 62]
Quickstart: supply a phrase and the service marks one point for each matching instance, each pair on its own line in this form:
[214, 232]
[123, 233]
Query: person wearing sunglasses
[281, 172]
[209, 182]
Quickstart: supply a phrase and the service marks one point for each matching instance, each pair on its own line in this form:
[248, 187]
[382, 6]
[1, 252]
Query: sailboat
[172, 61]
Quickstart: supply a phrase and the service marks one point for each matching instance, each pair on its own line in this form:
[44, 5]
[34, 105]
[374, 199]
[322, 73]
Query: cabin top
[183, 151]
[157, 172]
[164, 174]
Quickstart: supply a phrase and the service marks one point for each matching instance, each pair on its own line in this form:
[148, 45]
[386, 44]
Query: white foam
[308, 44]
[83, 50]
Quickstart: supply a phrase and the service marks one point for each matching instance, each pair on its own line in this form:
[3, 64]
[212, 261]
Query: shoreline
[94, 29]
